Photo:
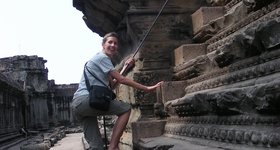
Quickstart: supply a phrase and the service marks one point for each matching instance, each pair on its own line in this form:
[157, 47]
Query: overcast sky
[52, 29]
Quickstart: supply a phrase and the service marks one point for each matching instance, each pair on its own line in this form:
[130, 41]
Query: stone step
[187, 52]
[10, 136]
[10, 140]
[204, 16]
[171, 142]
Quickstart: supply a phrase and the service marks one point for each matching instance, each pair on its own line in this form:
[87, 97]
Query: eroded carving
[251, 42]
[218, 2]
[260, 99]
[254, 5]
[191, 69]
[253, 136]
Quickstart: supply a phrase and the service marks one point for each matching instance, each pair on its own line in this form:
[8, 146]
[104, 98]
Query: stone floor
[70, 142]
[76, 141]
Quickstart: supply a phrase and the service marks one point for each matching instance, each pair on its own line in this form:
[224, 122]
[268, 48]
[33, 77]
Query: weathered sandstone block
[187, 52]
[174, 87]
[144, 129]
[204, 15]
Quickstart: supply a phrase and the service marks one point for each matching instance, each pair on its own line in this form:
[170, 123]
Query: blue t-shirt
[100, 65]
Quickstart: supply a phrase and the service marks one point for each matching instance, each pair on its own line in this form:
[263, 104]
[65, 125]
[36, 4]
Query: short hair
[111, 34]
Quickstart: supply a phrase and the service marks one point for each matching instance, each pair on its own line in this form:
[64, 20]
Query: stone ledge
[146, 129]
[166, 142]
[205, 15]
[187, 52]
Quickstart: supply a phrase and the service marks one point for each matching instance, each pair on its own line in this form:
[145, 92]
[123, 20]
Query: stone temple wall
[63, 95]
[32, 73]
[229, 77]
[28, 99]
[11, 110]
[219, 59]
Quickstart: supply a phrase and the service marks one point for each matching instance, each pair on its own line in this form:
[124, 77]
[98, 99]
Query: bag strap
[86, 78]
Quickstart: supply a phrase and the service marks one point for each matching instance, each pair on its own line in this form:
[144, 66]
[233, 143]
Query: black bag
[99, 96]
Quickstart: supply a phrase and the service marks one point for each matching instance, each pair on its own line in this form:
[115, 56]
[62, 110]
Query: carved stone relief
[254, 5]
[218, 2]
[247, 43]
[236, 100]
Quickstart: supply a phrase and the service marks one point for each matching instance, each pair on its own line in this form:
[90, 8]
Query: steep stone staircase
[226, 85]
